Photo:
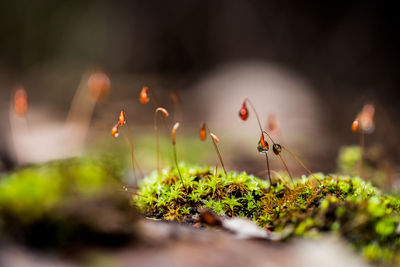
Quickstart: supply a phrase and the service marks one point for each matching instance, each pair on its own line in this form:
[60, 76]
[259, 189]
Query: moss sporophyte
[307, 206]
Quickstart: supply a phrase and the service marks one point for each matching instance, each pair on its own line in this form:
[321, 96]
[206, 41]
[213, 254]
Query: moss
[60, 202]
[346, 205]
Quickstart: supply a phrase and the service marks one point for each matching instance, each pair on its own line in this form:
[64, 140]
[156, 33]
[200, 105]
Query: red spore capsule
[277, 149]
[243, 111]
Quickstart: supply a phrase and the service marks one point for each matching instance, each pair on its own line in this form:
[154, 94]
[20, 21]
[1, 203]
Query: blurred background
[311, 66]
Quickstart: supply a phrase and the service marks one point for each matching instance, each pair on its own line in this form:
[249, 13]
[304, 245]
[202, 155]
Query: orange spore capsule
[366, 118]
[20, 102]
[216, 139]
[203, 135]
[243, 111]
[164, 111]
[354, 125]
[99, 85]
[122, 118]
[262, 145]
[144, 95]
[114, 130]
[176, 126]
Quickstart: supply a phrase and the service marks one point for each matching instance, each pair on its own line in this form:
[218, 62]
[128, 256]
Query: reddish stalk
[277, 148]
[132, 150]
[364, 123]
[173, 133]
[115, 133]
[166, 114]
[214, 139]
[244, 114]
[360, 164]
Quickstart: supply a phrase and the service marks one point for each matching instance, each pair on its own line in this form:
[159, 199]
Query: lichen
[310, 206]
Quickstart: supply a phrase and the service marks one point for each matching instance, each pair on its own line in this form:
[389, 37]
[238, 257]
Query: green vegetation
[61, 202]
[310, 206]
[81, 200]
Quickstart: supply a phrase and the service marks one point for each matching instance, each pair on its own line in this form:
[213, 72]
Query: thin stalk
[269, 171]
[281, 179]
[131, 145]
[157, 144]
[165, 112]
[300, 162]
[173, 133]
[177, 167]
[360, 163]
[19, 128]
[280, 157]
[132, 157]
[262, 133]
[286, 167]
[81, 110]
[218, 153]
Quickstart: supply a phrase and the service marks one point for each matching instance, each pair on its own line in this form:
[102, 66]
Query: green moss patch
[312, 205]
[64, 202]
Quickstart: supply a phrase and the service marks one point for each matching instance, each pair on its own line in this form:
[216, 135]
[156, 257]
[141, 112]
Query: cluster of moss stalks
[307, 207]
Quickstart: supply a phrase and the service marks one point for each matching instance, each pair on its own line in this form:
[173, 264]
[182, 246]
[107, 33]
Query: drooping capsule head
[144, 95]
[20, 101]
[277, 149]
[366, 116]
[203, 134]
[214, 137]
[354, 125]
[122, 118]
[173, 133]
[163, 111]
[243, 111]
[114, 130]
[262, 145]
[99, 85]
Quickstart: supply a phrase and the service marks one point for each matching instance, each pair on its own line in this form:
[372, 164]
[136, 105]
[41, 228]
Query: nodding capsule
[277, 149]
[99, 85]
[163, 110]
[144, 95]
[216, 139]
[114, 130]
[176, 126]
[122, 118]
[354, 125]
[243, 111]
[203, 134]
[262, 145]
[20, 101]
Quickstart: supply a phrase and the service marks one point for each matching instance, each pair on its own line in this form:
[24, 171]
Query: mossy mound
[64, 202]
[307, 207]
